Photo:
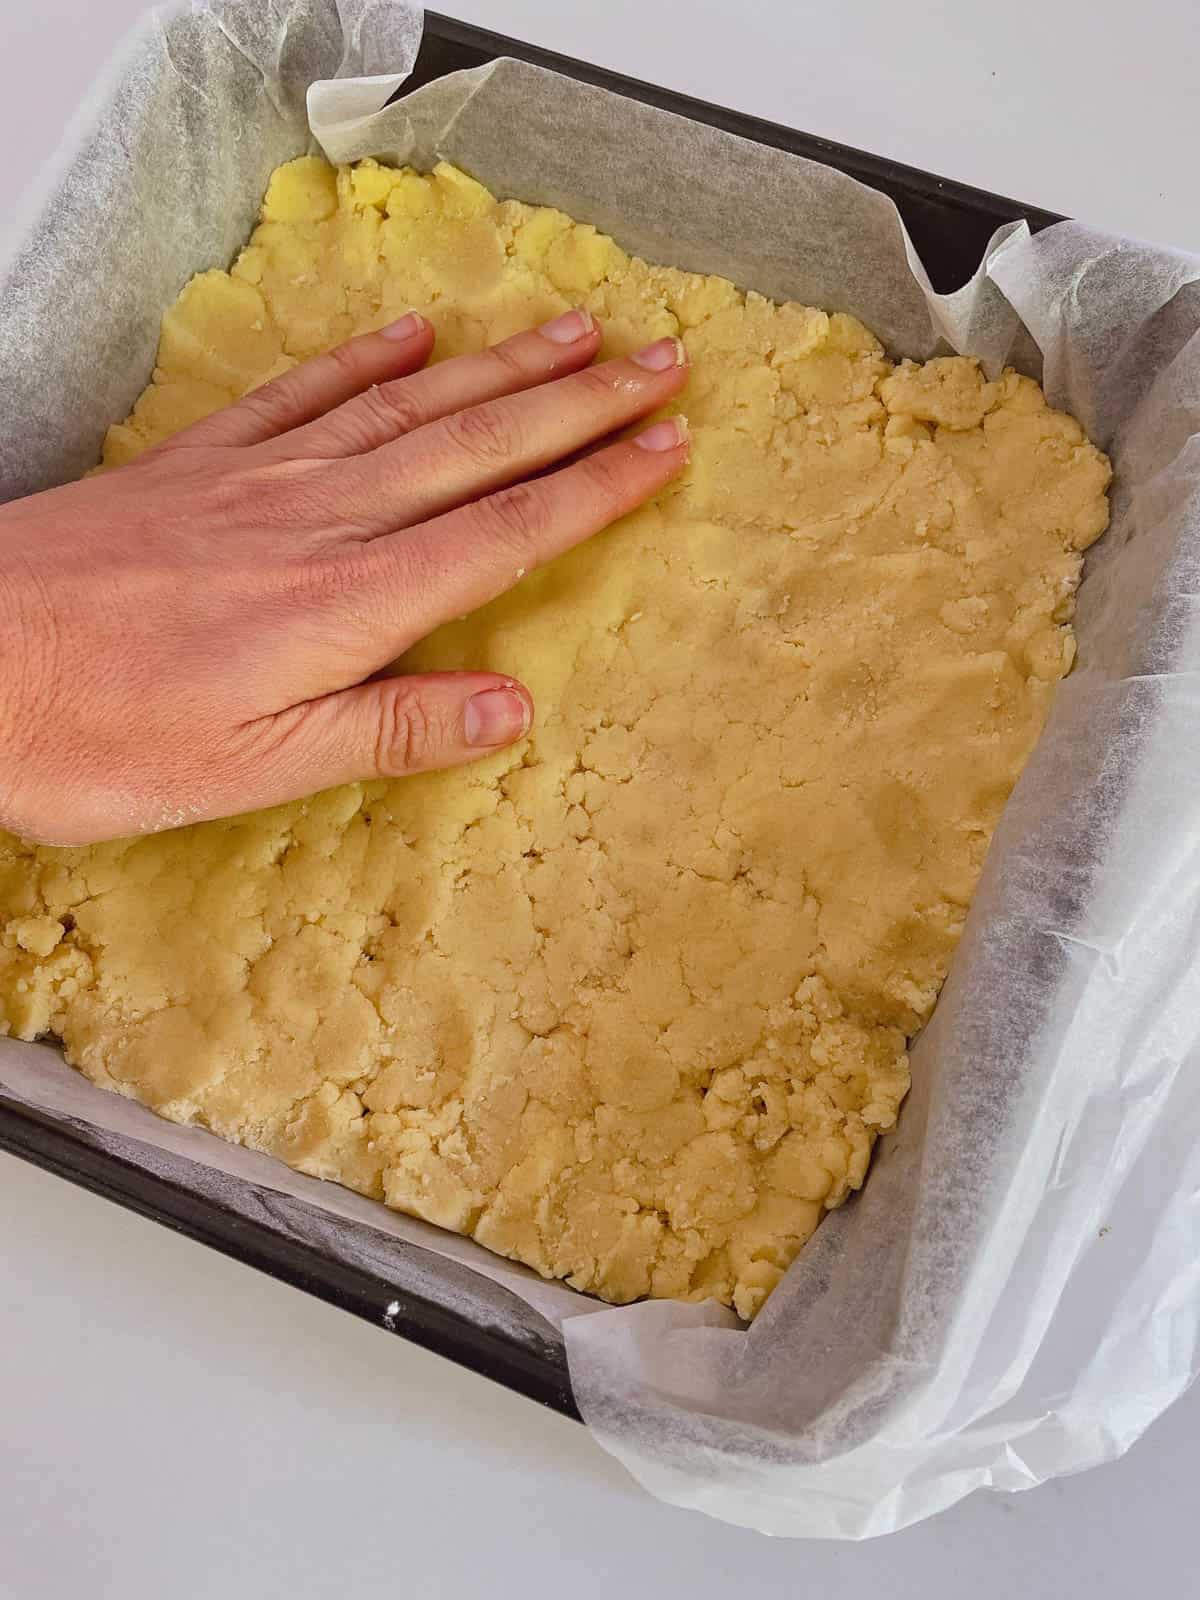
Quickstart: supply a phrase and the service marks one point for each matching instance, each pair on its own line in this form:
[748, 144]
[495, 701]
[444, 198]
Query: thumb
[393, 726]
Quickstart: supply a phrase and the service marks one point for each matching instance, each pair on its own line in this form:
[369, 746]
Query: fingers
[413, 581]
[314, 387]
[472, 452]
[389, 728]
[379, 416]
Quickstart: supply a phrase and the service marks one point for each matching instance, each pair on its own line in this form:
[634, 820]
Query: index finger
[413, 581]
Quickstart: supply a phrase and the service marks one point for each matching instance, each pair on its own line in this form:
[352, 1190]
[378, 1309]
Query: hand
[188, 636]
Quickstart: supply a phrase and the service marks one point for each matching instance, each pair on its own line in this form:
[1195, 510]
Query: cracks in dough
[629, 1003]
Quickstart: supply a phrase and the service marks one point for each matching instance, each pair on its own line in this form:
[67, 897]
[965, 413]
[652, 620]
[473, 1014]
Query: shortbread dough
[629, 1002]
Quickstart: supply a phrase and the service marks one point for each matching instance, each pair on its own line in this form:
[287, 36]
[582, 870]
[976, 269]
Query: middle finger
[471, 453]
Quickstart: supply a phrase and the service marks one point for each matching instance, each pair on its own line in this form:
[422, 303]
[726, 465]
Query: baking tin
[951, 225]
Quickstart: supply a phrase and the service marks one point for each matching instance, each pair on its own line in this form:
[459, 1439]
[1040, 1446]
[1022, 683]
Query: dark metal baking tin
[951, 225]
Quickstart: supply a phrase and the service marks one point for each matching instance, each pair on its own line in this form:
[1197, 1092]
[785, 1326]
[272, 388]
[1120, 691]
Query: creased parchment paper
[1016, 1293]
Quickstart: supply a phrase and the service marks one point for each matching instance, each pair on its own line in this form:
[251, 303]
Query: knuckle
[596, 386]
[388, 411]
[607, 482]
[407, 736]
[345, 359]
[397, 406]
[275, 497]
[487, 435]
[319, 581]
[510, 368]
[273, 404]
[515, 519]
[360, 594]
[234, 499]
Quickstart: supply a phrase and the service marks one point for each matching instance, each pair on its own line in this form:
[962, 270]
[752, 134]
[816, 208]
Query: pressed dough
[629, 1002]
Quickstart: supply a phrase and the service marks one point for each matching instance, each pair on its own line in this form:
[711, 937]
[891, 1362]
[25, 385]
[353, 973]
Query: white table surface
[174, 1424]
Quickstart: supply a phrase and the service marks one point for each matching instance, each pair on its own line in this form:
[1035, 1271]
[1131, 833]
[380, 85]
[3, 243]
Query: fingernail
[495, 717]
[405, 327]
[661, 355]
[572, 325]
[666, 435]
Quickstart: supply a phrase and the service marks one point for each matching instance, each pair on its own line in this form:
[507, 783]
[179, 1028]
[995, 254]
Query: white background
[172, 1424]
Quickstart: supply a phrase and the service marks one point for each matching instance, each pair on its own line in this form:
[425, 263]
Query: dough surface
[628, 1003]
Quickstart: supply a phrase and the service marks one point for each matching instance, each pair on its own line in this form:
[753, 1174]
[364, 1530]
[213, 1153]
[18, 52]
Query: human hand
[188, 636]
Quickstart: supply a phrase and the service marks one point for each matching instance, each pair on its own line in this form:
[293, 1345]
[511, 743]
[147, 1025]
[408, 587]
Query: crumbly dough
[628, 1003]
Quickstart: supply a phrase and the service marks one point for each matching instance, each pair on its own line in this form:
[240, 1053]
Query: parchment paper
[1016, 1293]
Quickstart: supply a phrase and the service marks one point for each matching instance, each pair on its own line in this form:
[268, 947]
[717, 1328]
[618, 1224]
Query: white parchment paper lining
[1016, 1293]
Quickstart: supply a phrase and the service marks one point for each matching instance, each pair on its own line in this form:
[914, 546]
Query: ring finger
[378, 411]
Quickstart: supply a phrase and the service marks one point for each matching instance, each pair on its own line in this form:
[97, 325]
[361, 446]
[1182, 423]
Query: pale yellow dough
[627, 1003]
